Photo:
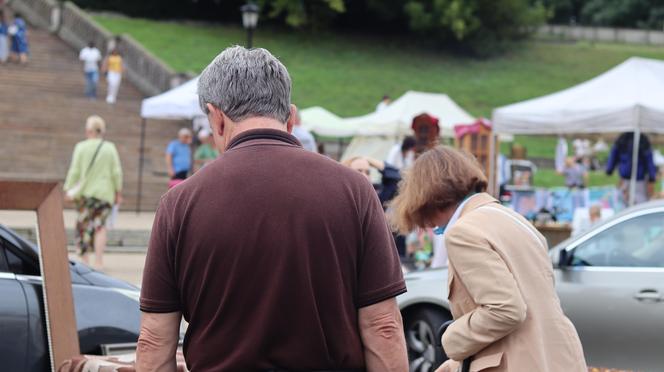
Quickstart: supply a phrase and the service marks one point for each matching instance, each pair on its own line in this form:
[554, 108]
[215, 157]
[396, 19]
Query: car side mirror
[563, 258]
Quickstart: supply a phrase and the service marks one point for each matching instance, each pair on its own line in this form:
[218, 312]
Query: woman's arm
[74, 173]
[501, 307]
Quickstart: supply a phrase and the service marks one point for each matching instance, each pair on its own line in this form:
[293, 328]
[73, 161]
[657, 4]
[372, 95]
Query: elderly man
[280, 259]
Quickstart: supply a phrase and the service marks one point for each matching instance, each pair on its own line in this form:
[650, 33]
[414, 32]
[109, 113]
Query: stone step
[43, 113]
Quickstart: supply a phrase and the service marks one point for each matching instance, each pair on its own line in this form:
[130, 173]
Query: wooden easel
[45, 198]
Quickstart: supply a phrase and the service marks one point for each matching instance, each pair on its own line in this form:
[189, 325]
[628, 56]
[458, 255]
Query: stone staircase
[43, 112]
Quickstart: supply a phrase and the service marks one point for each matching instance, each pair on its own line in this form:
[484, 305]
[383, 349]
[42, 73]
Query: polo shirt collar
[263, 134]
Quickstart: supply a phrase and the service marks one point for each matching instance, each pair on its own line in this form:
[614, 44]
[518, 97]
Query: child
[575, 174]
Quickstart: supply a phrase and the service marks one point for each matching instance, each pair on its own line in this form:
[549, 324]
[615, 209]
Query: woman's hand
[449, 366]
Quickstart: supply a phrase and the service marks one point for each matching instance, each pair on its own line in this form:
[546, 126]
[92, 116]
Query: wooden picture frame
[45, 198]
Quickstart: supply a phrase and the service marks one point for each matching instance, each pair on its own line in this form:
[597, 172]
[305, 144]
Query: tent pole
[140, 168]
[635, 164]
[493, 165]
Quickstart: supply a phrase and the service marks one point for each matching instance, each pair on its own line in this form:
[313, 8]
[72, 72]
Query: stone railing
[147, 72]
[41, 13]
[150, 75]
[603, 34]
[78, 29]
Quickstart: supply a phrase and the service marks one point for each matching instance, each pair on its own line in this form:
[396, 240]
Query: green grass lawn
[348, 74]
[549, 177]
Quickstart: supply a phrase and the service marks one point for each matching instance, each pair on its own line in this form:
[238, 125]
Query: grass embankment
[348, 74]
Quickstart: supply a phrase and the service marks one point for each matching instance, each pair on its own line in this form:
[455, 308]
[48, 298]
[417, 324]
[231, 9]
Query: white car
[610, 281]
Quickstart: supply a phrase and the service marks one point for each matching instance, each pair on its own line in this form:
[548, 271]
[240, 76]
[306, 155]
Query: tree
[299, 13]
[483, 27]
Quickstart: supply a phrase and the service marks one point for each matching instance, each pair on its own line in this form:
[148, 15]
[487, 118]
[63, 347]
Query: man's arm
[169, 164]
[157, 342]
[381, 329]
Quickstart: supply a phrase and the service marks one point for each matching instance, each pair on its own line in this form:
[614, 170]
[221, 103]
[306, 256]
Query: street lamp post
[249, 20]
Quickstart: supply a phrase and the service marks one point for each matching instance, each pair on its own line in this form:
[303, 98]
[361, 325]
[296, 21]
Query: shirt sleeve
[159, 292]
[500, 305]
[117, 170]
[74, 173]
[379, 268]
[171, 148]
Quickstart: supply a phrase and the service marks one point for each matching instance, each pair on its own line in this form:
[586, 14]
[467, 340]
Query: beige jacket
[502, 296]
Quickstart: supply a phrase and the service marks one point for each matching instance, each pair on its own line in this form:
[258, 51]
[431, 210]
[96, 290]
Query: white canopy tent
[326, 124]
[378, 132]
[180, 103]
[627, 98]
[397, 118]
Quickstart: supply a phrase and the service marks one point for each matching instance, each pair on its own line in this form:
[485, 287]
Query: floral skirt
[92, 214]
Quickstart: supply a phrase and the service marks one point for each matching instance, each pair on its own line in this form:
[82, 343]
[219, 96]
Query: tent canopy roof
[396, 119]
[180, 103]
[627, 97]
[324, 123]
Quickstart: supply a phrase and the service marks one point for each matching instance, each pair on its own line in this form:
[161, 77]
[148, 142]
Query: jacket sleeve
[74, 173]
[613, 160]
[651, 167]
[500, 305]
[390, 177]
[117, 170]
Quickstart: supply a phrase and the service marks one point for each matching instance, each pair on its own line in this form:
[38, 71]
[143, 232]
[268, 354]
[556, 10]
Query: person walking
[91, 56]
[280, 259]
[94, 183]
[4, 39]
[113, 68]
[507, 315]
[646, 170]
[19, 40]
[178, 155]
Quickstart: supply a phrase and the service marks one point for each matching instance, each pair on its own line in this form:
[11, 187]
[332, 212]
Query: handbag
[76, 189]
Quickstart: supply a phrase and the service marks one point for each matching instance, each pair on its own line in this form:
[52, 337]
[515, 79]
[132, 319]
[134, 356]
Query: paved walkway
[124, 266]
[124, 221]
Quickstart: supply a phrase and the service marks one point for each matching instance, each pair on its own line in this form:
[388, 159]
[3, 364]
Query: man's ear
[292, 118]
[216, 119]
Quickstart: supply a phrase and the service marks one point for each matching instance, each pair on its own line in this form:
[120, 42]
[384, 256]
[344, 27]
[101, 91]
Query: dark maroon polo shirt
[269, 252]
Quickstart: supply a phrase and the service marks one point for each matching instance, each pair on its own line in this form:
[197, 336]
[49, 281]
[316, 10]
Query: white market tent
[378, 132]
[179, 103]
[397, 118]
[627, 98]
[326, 124]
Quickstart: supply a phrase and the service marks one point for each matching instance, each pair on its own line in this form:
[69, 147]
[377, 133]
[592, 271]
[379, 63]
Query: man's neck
[256, 123]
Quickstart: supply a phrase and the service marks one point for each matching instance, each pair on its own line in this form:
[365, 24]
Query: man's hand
[157, 342]
[449, 366]
[381, 329]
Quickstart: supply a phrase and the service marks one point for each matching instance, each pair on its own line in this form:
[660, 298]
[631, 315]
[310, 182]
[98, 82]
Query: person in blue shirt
[19, 38]
[4, 40]
[621, 157]
[178, 155]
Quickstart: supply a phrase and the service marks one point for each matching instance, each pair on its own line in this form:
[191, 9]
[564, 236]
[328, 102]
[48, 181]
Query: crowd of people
[310, 238]
[14, 45]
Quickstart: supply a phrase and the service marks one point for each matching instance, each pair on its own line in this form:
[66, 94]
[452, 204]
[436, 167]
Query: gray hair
[245, 83]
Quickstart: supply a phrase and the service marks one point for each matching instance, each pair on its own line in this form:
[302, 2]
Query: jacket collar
[477, 201]
[263, 134]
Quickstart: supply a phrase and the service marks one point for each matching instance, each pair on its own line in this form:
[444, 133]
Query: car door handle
[649, 295]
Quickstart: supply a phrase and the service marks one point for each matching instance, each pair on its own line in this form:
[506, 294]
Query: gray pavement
[124, 266]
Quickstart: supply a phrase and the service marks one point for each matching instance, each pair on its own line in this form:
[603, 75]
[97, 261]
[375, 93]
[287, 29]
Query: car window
[637, 242]
[3, 261]
[16, 264]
